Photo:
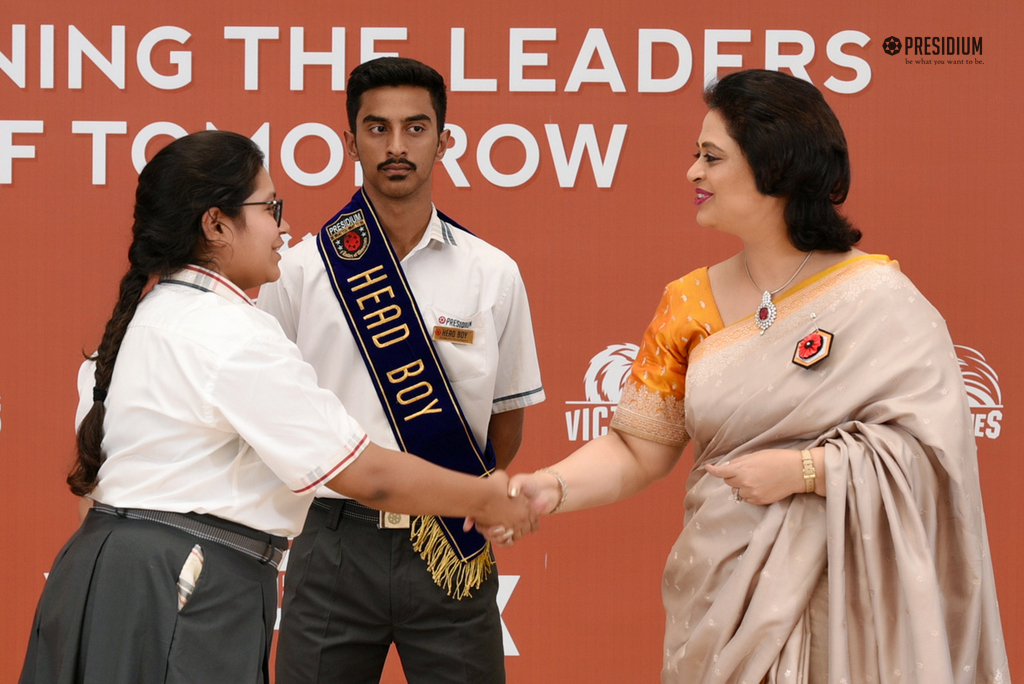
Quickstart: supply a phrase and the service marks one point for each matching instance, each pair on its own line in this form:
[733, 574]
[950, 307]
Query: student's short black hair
[395, 71]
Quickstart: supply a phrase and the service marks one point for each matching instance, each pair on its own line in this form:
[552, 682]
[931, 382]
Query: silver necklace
[765, 314]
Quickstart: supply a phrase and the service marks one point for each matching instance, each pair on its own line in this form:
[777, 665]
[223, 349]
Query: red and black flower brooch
[813, 348]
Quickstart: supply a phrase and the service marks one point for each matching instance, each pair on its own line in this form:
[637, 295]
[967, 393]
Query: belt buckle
[393, 521]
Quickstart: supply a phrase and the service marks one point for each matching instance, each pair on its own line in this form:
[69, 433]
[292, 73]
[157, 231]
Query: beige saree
[888, 578]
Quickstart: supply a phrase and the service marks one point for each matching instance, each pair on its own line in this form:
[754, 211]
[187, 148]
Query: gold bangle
[562, 486]
[809, 472]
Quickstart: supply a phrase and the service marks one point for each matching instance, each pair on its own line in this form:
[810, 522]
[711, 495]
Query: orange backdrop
[575, 126]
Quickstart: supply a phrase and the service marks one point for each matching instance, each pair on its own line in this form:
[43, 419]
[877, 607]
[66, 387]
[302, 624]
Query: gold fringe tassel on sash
[455, 576]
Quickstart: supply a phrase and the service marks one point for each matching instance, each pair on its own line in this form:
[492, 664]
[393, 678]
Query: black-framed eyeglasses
[278, 205]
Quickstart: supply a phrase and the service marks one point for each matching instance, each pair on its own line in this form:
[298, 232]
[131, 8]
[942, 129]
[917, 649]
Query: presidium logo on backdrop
[608, 370]
[936, 49]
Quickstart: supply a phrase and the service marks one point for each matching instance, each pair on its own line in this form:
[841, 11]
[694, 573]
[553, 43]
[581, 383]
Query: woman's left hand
[762, 477]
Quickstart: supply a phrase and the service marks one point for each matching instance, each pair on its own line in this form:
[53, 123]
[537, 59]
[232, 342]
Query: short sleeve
[652, 402]
[270, 396]
[518, 382]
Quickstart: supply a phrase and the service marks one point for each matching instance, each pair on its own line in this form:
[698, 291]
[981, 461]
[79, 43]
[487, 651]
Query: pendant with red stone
[765, 315]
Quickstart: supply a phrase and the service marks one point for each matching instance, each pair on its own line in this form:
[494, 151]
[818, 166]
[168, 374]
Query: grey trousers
[351, 590]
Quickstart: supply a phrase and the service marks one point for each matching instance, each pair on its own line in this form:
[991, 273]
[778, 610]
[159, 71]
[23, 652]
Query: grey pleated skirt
[109, 611]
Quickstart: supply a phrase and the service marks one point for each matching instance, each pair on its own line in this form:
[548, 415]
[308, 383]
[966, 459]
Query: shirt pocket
[461, 341]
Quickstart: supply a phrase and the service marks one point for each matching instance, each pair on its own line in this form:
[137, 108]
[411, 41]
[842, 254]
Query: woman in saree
[833, 524]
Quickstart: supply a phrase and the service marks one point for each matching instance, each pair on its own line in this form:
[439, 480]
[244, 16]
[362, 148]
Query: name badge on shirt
[444, 333]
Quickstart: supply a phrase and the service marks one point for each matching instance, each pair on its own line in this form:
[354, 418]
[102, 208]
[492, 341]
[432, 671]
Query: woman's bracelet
[809, 472]
[561, 484]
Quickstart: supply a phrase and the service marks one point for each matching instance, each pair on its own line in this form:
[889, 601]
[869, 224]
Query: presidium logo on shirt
[452, 330]
[602, 384]
[349, 235]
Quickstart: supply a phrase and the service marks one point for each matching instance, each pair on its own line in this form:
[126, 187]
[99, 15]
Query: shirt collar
[204, 279]
[437, 230]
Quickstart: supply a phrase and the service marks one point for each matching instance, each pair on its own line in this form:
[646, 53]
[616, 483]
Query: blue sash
[410, 381]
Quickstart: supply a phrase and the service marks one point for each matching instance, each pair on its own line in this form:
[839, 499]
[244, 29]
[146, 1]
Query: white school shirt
[211, 409]
[458, 281]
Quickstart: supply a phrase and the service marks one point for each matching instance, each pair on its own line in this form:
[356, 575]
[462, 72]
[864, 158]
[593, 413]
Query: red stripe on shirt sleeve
[333, 471]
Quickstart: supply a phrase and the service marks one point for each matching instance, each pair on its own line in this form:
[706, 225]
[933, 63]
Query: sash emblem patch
[349, 235]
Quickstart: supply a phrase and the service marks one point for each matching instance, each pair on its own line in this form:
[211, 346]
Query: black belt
[270, 554]
[350, 508]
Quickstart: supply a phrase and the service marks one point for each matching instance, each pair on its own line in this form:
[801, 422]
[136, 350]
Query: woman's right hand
[505, 517]
[531, 487]
[396, 481]
[541, 488]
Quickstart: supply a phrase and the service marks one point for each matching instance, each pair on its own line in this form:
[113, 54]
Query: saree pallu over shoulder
[901, 534]
[806, 292]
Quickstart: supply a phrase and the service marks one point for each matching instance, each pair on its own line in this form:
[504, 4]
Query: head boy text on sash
[410, 381]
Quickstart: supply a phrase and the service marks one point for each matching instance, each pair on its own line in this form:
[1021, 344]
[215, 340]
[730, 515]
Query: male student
[423, 330]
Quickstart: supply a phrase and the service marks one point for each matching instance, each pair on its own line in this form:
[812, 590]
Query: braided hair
[182, 182]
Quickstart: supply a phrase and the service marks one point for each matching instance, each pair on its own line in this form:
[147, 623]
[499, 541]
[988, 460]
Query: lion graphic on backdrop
[608, 371]
[980, 379]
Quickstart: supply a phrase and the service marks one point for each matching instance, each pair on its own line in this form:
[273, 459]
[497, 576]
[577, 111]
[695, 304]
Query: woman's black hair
[185, 179]
[796, 149]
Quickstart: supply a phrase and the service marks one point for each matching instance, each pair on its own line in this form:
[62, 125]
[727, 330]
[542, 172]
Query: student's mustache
[396, 162]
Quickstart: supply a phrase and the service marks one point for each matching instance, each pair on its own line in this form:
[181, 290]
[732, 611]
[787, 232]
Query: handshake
[516, 503]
